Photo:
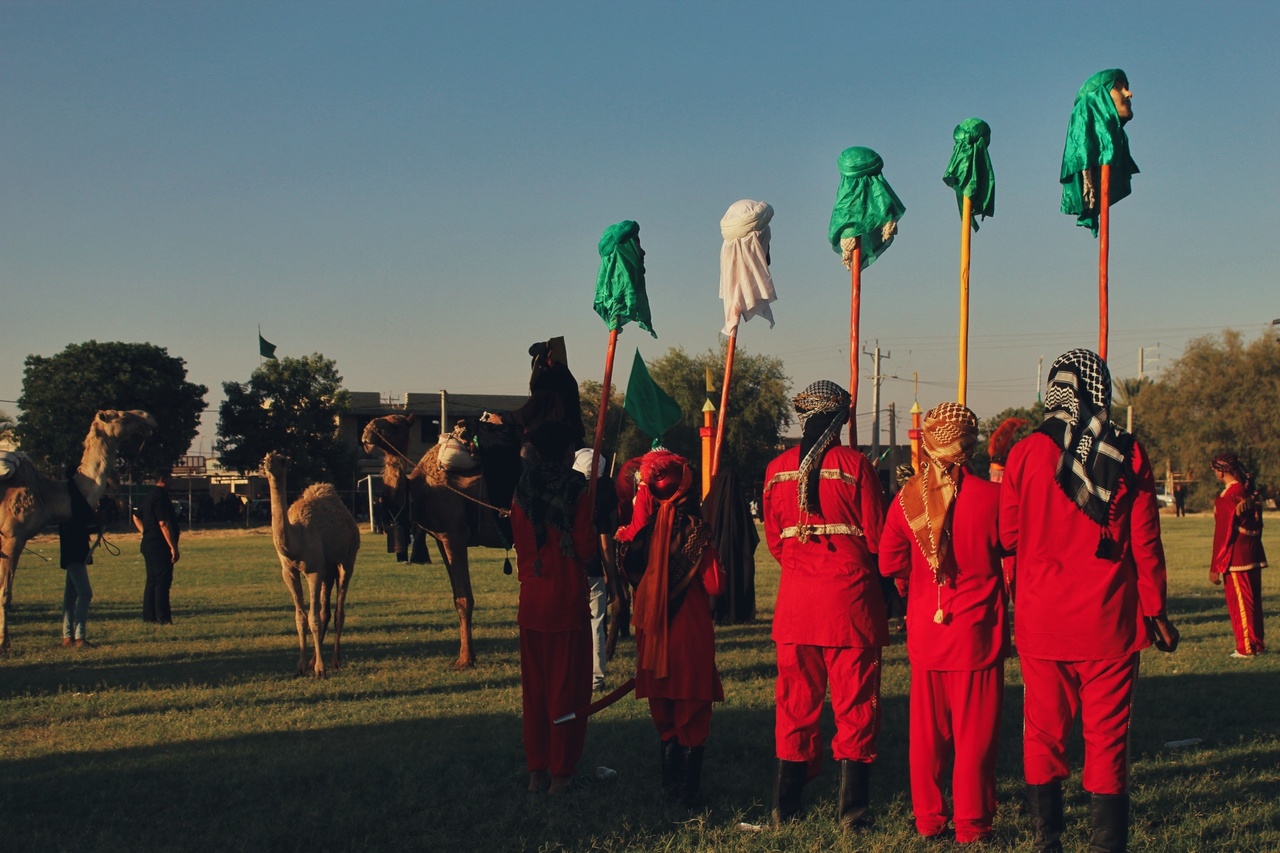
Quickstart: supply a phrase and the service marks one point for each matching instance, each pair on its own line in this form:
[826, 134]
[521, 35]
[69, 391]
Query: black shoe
[788, 785]
[1110, 814]
[673, 758]
[1045, 802]
[855, 795]
[691, 780]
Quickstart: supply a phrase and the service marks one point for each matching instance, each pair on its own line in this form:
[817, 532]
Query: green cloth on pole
[865, 203]
[1095, 136]
[265, 348]
[649, 406]
[620, 294]
[969, 171]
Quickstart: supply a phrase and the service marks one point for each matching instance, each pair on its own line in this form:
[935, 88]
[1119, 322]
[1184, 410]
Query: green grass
[198, 737]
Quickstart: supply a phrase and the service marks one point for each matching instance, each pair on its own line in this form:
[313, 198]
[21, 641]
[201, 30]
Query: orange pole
[966, 235]
[724, 400]
[1104, 250]
[855, 305]
[914, 435]
[708, 430]
[604, 407]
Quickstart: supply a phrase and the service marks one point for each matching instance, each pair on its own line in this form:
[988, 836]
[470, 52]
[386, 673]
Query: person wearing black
[158, 523]
[73, 536]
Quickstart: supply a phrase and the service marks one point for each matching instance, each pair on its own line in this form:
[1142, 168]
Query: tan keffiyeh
[949, 436]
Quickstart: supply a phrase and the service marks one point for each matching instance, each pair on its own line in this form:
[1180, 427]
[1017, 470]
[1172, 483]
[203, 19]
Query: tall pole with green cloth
[863, 223]
[970, 174]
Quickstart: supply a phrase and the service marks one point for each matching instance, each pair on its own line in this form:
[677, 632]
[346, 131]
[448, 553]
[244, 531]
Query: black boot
[691, 781]
[855, 794]
[672, 767]
[787, 787]
[1110, 814]
[1046, 816]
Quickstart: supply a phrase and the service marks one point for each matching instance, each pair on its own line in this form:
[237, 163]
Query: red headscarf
[665, 479]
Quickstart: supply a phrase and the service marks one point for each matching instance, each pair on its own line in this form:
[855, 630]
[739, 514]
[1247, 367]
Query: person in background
[1238, 556]
[158, 524]
[75, 557]
[602, 583]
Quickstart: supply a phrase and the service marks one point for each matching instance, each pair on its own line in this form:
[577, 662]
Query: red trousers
[803, 675]
[686, 720]
[1244, 603]
[1101, 691]
[955, 715]
[555, 678]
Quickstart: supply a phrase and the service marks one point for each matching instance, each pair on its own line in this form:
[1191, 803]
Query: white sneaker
[1238, 655]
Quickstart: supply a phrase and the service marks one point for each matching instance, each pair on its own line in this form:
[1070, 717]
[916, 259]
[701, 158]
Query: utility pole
[1039, 375]
[876, 379]
[1142, 356]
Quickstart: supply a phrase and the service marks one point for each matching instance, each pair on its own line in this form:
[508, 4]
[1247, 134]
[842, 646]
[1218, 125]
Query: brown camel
[316, 537]
[439, 507]
[29, 501]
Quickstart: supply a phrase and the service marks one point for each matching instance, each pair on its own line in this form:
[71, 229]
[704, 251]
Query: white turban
[745, 283]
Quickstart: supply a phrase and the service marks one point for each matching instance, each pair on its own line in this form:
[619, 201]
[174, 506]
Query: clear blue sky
[416, 189]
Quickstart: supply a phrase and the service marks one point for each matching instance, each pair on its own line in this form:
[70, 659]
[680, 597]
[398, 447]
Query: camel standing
[317, 537]
[439, 508]
[29, 501]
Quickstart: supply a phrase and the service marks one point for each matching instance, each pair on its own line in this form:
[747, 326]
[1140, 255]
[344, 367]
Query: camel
[440, 501]
[29, 501]
[317, 537]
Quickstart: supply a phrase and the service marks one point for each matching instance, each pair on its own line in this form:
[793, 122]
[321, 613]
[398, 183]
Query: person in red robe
[668, 550]
[1238, 557]
[823, 514]
[940, 535]
[1078, 506]
[551, 522]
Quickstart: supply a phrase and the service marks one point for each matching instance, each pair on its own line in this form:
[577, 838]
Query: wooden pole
[724, 400]
[855, 305]
[1104, 250]
[604, 407]
[707, 433]
[966, 235]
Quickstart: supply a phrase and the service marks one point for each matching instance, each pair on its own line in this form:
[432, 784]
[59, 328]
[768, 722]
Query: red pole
[604, 407]
[724, 400]
[1104, 250]
[855, 305]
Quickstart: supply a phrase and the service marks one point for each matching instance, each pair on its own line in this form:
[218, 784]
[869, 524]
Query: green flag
[649, 406]
[969, 171]
[620, 294]
[865, 203]
[266, 349]
[1095, 136]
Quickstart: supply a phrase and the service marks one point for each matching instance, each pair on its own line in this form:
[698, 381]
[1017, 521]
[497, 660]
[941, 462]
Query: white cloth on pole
[746, 286]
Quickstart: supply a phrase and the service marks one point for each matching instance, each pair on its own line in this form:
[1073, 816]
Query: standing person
[940, 534]
[1179, 499]
[158, 523]
[1238, 558]
[823, 514]
[672, 550]
[602, 582]
[554, 539]
[73, 539]
[1078, 505]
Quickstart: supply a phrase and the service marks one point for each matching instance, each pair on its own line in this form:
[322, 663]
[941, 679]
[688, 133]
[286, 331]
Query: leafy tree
[289, 405]
[618, 430]
[62, 393]
[1221, 395]
[1034, 416]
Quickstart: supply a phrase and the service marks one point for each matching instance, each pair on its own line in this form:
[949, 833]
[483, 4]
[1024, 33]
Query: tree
[759, 408]
[1034, 416]
[8, 438]
[290, 405]
[62, 393]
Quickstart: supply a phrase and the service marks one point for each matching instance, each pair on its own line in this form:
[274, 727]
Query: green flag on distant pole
[266, 349]
[650, 407]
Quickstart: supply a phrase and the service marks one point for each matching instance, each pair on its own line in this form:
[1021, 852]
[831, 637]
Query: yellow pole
[707, 433]
[914, 432]
[966, 234]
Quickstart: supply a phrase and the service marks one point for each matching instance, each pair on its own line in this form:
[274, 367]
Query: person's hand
[1163, 633]
[1215, 577]
[174, 552]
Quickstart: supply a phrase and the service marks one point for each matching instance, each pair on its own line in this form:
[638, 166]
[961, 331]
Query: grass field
[196, 736]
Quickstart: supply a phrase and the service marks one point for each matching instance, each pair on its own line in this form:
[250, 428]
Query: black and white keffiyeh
[1095, 452]
[823, 409]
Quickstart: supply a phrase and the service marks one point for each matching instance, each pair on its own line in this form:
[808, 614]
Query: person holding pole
[1078, 508]
[551, 521]
[941, 536]
[1238, 556]
[823, 514]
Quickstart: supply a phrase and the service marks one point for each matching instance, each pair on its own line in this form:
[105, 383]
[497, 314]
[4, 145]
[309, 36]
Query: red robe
[1238, 559]
[555, 639]
[957, 666]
